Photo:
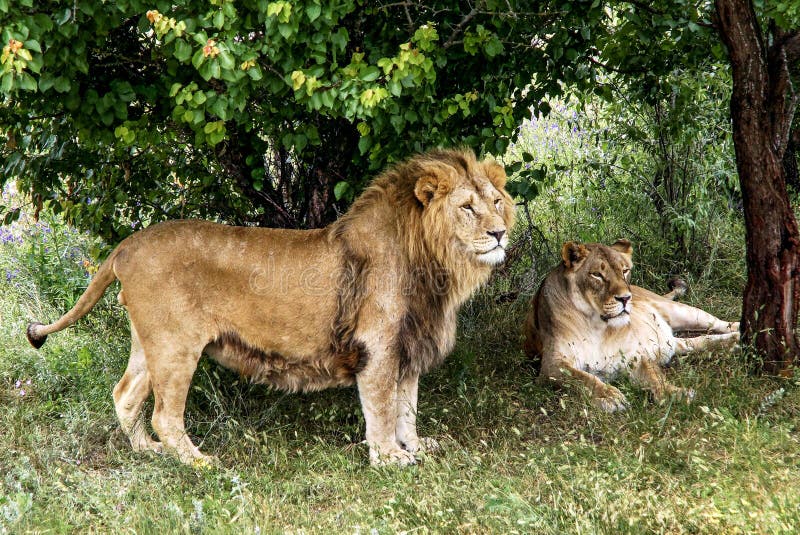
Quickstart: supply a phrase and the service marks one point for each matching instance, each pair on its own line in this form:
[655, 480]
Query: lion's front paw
[610, 399]
[429, 444]
[146, 444]
[421, 445]
[391, 457]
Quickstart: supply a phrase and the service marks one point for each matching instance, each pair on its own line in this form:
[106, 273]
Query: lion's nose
[623, 299]
[498, 234]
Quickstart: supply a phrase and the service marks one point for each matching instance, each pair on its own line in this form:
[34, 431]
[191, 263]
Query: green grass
[516, 456]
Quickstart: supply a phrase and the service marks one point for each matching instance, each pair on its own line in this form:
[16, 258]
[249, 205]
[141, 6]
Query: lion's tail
[37, 332]
[677, 288]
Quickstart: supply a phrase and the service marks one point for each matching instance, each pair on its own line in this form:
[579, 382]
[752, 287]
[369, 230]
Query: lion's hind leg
[130, 394]
[706, 342]
[686, 318]
[171, 375]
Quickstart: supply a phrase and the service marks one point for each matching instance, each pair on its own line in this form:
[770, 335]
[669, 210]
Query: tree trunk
[762, 107]
[790, 162]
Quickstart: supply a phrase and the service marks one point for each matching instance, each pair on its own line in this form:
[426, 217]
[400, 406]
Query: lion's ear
[573, 253]
[435, 179]
[496, 173]
[623, 246]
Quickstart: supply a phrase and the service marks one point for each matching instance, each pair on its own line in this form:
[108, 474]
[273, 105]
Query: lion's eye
[597, 275]
[498, 203]
[626, 272]
[468, 208]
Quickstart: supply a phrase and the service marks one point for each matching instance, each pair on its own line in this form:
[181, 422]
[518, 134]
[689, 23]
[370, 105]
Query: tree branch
[460, 27]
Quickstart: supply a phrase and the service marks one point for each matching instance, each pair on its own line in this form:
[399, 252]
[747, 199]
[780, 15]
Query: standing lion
[589, 323]
[370, 300]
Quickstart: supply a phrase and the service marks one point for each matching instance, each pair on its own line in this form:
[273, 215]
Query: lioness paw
[393, 457]
[421, 445]
[610, 399]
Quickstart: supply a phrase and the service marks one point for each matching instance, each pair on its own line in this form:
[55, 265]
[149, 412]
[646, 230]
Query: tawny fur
[588, 324]
[371, 299]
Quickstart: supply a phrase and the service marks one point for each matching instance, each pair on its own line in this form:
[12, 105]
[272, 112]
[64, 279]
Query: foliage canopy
[262, 112]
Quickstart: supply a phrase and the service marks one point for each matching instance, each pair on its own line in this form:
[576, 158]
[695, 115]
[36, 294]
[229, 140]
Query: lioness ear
[623, 246]
[435, 179]
[496, 173]
[573, 253]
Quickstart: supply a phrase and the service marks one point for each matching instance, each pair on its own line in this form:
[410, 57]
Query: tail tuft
[677, 286]
[36, 340]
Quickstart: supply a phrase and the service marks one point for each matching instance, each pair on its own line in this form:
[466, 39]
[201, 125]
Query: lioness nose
[623, 298]
[498, 234]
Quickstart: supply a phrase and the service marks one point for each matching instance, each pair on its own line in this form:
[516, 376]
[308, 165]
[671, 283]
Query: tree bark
[762, 106]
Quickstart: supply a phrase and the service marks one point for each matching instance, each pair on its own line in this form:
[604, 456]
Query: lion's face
[476, 209]
[600, 278]
[467, 209]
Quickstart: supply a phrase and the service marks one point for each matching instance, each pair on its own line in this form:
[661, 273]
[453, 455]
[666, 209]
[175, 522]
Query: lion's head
[465, 209]
[599, 279]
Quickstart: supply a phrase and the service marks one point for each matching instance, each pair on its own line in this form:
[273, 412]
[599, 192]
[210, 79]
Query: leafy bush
[48, 258]
[597, 171]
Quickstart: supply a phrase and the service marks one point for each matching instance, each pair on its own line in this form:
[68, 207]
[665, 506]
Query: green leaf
[201, 38]
[328, 98]
[493, 47]
[26, 82]
[364, 144]
[220, 108]
[183, 50]
[300, 142]
[369, 74]
[218, 20]
[313, 11]
[226, 61]
[198, 59]
[46, 81]
[125, 92]
[340, 39]
[255, 73]
[107, 117]
[341, 189]
[285, 30]
[33, 44]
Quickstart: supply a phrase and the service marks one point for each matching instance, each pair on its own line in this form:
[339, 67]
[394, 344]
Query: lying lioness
[589, 323]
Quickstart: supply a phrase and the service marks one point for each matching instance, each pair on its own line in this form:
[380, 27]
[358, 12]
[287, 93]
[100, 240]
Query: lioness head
[465, 205]
[599, 277]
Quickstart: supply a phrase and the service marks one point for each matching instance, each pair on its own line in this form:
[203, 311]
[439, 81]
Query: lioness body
[589, 323]
[370, 300]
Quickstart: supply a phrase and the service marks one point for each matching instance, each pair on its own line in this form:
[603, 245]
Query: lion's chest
[614, 351]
